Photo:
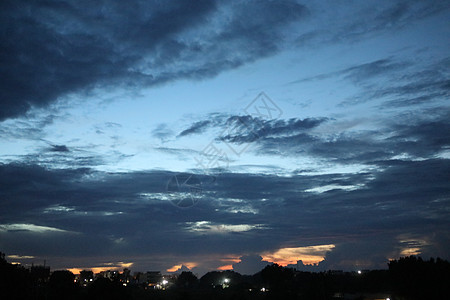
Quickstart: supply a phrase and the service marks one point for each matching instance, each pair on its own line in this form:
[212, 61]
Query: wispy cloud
[361, 72]
[210, 228]
[29, 227]
[196, 128]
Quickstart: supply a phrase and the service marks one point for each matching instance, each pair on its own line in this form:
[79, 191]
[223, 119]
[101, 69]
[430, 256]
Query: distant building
[40, 273]
[111, 275]
[86, 277]
[125, 277]
[140, 278]
[154, 278]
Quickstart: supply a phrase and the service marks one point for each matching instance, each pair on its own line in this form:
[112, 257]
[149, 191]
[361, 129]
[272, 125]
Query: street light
[225, 283]
[164, 284]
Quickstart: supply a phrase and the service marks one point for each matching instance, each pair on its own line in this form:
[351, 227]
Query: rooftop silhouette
[406, 278]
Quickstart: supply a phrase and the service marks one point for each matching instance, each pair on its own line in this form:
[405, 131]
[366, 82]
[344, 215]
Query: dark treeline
[406, 278]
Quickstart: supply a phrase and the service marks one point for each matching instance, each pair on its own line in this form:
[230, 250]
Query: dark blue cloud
[51, 48]
[59, 148]
[415, 135]
[362, 72]
[196, 128]
[371, 19]
[398, 83]
[247, 129]
[402, 88]
[116, 211]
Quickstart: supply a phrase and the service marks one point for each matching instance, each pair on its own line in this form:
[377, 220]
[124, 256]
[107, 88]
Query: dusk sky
[217, 135]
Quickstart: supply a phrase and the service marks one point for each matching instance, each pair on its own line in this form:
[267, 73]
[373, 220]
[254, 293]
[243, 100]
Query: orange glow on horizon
[189, 265]
[225, 268]
[114, 267]
[75, 270]
[174, 268]
[231, 259]
[308, 255]
[95, 270]
[410, 251]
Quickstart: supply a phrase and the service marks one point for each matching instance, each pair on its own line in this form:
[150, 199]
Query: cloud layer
[355, 177]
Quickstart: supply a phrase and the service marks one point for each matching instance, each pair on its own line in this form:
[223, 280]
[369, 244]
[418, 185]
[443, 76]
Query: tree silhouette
[15, 281]
[103, 288]
[277, 277]
[62, 285]
[86, 276]
[408, 278]
[415, 278]
[216, 278]
[187, 280]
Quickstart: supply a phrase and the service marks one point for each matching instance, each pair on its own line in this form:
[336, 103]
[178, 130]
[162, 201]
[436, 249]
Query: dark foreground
[406, 278]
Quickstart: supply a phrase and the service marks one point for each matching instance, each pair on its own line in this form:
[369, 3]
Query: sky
[224, 135]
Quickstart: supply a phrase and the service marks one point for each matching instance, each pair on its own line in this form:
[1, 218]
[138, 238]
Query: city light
[226, 283]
